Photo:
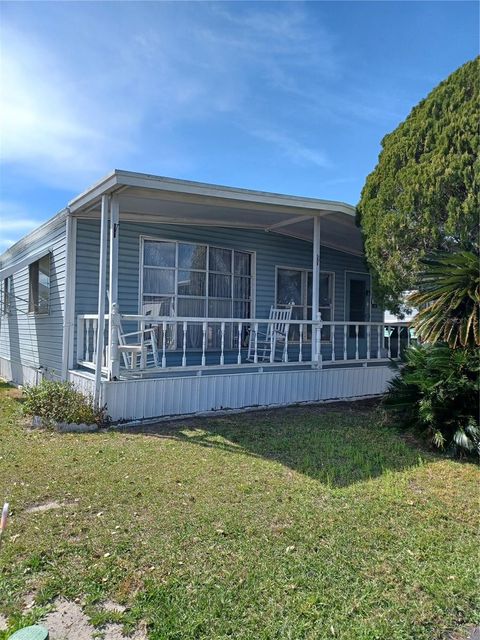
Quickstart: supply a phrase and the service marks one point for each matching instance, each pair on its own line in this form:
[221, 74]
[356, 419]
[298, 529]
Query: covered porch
[204, 309]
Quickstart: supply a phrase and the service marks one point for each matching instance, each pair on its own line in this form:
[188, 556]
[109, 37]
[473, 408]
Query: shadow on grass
[338, 444]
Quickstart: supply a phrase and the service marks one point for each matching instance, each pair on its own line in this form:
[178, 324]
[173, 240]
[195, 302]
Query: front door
[357, 301]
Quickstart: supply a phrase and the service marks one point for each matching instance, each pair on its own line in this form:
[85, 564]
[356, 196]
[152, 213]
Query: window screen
[39, 286]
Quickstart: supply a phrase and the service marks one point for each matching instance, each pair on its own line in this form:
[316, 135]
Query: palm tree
[448, 299]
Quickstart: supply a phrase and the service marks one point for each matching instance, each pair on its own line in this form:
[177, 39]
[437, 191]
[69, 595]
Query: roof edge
[97, 189]
[120, 178]
[135, 179]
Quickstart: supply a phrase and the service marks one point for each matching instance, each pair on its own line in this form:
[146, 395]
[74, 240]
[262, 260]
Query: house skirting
[145, 399]
[22, 374]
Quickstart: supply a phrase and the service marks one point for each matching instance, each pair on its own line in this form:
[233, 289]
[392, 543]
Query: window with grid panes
[183, 279]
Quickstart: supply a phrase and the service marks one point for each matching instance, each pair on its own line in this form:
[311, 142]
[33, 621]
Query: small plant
[448, 299]
[436, 394]
[57, 402]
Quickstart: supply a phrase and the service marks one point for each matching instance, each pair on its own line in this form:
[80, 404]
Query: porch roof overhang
[155, 199]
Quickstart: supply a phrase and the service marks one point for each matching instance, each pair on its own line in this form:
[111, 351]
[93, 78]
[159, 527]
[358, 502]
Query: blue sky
[286, 97]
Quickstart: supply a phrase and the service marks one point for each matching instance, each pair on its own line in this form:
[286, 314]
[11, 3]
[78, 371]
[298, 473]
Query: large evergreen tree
[424, 194]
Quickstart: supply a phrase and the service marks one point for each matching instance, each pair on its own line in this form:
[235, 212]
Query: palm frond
[448, 299]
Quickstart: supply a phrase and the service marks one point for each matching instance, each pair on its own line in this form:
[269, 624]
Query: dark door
[358, 301]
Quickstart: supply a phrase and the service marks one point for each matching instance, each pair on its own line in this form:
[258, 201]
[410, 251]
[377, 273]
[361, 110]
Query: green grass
[297, 523]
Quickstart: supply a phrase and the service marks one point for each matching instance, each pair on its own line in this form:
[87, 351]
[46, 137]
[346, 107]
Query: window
[7, 294]
[196, 280]
[39, 286]
[294, 287]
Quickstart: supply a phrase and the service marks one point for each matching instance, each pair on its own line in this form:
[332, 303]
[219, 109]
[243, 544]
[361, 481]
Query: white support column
[114, 356]
[102, 281]
[315, 288]
[69, 299]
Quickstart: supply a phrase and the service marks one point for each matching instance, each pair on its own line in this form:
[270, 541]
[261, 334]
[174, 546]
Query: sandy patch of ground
[68, 622]
[109, 605]
[28, 601]
[114, 632]
[466, 633]
[46, 506]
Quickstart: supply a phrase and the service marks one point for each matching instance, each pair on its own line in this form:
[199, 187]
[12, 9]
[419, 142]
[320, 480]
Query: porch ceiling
[144, 198]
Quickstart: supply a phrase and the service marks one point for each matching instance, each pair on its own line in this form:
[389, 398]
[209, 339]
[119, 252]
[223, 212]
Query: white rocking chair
[136, 353]
[265, 343]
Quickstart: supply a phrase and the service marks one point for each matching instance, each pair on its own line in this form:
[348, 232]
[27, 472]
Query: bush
[448, 300]
[61, 402]
[436, 394]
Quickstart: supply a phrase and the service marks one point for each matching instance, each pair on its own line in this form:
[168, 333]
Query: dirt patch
[114, 632]
[10, 391]
[109, 605]
[415, 488]
[465, 633]
[68, 621]
[46, 506]
[28, 601]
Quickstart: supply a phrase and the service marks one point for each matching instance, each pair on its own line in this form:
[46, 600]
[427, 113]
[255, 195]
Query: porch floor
[231, 367]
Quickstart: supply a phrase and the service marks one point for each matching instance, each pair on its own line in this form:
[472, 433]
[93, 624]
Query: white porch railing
[202, 343]
[87, 329]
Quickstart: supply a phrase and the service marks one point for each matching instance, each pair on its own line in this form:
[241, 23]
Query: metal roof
[157, 199]
[163, 200]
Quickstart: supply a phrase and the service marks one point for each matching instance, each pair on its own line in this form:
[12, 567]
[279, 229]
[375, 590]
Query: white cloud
[74, 109]
[14, 217]
[115, 90]
[5, 243]
[293, 149]
[278, 37]
[48, 128]
[15, 222]
[22, 224]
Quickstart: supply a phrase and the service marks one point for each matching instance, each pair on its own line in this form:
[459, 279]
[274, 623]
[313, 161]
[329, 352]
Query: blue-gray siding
[36, 340]
[271, 250]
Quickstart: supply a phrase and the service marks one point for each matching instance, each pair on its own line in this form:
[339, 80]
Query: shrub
[436, 394]
[61, 402]
[448, 299]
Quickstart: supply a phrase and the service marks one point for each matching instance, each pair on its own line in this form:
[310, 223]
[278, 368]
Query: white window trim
[306, 271]
[253, 275]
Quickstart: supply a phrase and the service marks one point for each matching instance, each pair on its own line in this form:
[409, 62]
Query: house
[180, 287]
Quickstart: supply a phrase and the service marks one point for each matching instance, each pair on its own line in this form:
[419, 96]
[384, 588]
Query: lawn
[297, 523]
